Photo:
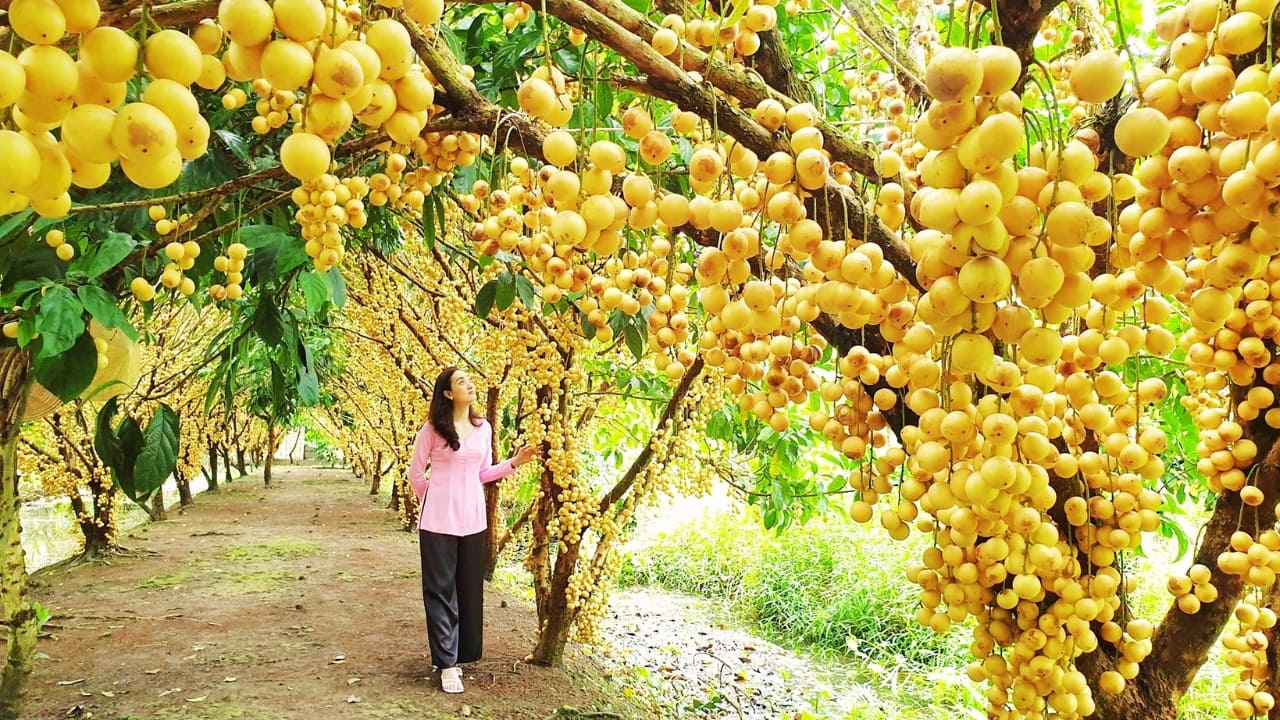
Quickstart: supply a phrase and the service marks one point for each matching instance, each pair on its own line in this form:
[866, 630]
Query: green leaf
[69, 373]
[316, 291]
[337, 287]
[159, 453]
[267, 323]
[235, 144]
[103, 308]
[131, 443]
[105, 442]
[308, 381]
[525, 290]
[506, 293]
[60, 321]
[111, 250]
[485, 298]
[635, 341]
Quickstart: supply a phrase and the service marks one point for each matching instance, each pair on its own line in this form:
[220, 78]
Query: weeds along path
[301, 600]
[688, 650]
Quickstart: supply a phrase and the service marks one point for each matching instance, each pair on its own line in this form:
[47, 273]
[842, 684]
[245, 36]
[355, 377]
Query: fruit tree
[958, 236]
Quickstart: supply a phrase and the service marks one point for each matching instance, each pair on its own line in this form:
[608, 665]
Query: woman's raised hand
[524, 455]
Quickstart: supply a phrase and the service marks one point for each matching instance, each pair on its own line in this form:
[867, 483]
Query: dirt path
[295, 601]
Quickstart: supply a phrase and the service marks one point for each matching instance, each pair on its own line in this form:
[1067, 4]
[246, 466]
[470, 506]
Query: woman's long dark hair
[442, 409]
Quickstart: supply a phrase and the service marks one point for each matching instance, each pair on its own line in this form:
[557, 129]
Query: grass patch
[167, 580]
[213, 711]
[832, 590]
[279, 550]
[261, 582]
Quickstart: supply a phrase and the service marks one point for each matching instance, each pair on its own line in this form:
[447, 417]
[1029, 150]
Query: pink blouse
[455, 505]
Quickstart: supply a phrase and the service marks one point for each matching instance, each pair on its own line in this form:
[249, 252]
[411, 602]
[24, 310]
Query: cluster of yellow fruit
[57, 240]
[325, 206]
[46, 89]
[1193, 589]
[1246, 644]
[164, 225]
[232, 264]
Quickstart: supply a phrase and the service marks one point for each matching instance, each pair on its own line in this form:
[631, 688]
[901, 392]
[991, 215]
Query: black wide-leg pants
[453, 593]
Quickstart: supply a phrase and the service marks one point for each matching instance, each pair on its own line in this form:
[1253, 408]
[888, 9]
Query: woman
[455, 442]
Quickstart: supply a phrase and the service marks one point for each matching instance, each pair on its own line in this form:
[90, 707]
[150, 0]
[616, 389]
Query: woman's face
[463, 389]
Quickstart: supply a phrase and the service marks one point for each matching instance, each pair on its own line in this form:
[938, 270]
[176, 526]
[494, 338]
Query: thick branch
[646, 454]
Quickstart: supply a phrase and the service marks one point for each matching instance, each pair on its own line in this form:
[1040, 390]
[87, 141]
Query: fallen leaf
[228, 679]
[466, 711]
[202, 698]
[339, 660]
[77, 681]
[152, 672]
[108, 693]
[170, 691]
[353, 699]
[353, 681]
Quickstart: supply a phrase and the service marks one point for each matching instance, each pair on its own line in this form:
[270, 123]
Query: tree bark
[185, 499]
[98, 528]
[270, 455]
[16, 613]
[213, 467]
[241, 467]
[1182, 642]
[157, 506]
[491, 489]
[375, 482]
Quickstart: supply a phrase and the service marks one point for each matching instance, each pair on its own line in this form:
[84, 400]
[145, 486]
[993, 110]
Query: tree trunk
[98, 528]
[491, 489]
[270, 455]
[16, 614]
[375, 482]
[240, 463]
[212, 475]
[157, 506]
[185, 498]
[1182, 642]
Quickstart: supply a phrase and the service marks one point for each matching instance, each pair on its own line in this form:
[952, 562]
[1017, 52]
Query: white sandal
[451, 680]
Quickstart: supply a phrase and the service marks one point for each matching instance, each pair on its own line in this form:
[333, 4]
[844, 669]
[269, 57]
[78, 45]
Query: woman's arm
[489, 473]
[421, 460]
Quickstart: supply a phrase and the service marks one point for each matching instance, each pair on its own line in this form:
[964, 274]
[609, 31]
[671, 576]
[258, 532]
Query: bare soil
[299, 600]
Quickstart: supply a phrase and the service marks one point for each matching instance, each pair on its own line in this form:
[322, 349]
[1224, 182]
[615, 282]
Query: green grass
[832, 590]
[169, 580]
[283, 549]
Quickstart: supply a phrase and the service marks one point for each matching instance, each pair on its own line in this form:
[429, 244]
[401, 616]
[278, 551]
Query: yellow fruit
[86, 175]
[328, 117]
[1241, 33]
[174, 100]
[414, 92]
[972, 353]
[424, 12]
[153, 171]
[403, 127]
[51, 73]
[287, 65]
[111, 54]
[304, 156]
[338, 73]
[1001, 68]
[954, 74]
[1097, 76]
[381, 105]
[80, 16]
[655, 147]
[243, 63]
[91, 90]
[985, 279]
[141, 130]
[193, 139]
[559, 148]
[665, 41]
[212, 73]
[247, 22]
[87, 131]
[22, 161]
[13, 79]
[39, 22]
[536, 96]
[142, 289]
[172, 55]
[55, 172]
[300, 20]
[391, 41]
[208, 36]
[1141, 131]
